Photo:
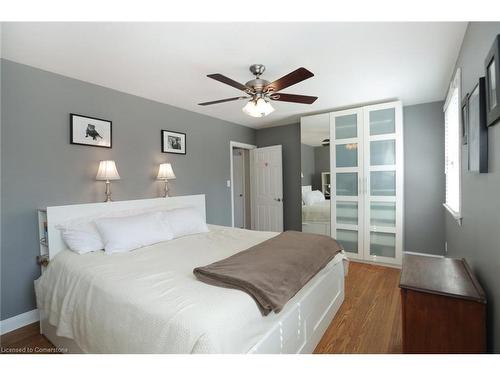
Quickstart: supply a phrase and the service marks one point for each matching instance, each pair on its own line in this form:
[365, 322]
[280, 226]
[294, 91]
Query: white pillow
[185, 221]
[82, 237]
[122, 234]
[312, 197]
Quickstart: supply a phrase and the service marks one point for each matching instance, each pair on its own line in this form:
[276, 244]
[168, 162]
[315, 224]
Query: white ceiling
[168, 62]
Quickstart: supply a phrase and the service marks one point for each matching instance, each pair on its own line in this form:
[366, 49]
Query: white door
[346, 166]
[383, 182]
[239, 188]
[266, 187]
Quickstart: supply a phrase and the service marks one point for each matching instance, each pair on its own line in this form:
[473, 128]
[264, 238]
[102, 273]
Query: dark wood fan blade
[224, 100]
[304, 99]
[228, 81]
[290, 79]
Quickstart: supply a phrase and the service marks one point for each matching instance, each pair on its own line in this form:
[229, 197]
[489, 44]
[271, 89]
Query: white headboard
[62, 214]
[306, 188]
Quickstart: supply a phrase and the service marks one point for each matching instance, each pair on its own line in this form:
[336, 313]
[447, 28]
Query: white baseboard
[423, 254]
[390, 265]
[19, 321]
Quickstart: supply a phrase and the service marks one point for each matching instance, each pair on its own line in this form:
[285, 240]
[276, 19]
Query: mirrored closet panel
[315, 173]
[363, 182]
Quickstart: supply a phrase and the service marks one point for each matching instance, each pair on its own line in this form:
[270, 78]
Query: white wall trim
[424, 254]
[19, 321]
[370, 262]
[233, 144]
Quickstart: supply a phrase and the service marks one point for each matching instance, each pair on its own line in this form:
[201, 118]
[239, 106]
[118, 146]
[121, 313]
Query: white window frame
[455, 84]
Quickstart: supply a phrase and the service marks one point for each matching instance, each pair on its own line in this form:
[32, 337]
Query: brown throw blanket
[273, 271]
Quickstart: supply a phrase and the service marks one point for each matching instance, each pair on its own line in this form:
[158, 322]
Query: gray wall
[321, 164]
[40, 167]
[289, 137]
[478, 239]
[307, 163]
[424, 178]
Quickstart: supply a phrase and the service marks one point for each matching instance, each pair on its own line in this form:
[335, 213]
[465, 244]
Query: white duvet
[148, 300]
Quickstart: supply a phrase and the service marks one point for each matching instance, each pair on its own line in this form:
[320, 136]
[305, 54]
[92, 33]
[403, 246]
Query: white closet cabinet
[366, 163]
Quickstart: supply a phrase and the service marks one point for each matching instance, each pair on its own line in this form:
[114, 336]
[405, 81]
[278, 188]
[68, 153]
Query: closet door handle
[360, 186]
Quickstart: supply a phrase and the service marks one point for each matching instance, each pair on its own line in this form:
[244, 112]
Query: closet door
[382, 184]
[346, 165]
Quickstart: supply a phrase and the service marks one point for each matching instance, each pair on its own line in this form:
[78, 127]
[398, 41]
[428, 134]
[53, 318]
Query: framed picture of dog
[90, 131]
[173, 142]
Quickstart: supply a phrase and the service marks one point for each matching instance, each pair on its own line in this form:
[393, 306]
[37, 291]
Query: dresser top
[445, 276]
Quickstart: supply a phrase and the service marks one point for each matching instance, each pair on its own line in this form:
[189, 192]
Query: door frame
[233, 145]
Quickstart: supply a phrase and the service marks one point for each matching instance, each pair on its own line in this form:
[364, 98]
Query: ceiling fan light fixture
[258, 108]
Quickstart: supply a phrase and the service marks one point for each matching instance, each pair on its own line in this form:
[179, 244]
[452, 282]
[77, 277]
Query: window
[453, 148]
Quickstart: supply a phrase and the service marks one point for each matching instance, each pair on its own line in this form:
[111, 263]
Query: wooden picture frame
[478, 128]
[90, 131]
[173, 142]
[492, 74]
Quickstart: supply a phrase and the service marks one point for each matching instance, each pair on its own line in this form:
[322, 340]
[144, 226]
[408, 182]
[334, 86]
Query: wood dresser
[443, 306]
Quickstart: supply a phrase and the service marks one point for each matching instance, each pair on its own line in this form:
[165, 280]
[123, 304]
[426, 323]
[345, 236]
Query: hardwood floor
[369, 321]
[26, 340]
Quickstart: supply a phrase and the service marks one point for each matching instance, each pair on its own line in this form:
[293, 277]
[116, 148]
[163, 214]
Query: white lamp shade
[107, 171]
[166, 172]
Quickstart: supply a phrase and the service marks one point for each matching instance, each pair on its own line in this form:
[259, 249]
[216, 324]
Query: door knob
[277, 199]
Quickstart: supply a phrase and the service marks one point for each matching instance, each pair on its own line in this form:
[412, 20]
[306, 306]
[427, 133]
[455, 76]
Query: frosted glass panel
[347, 213]
[348, 239]
[383, 214]
[383, 244]
[382, 121]
[347, 184]
[383, 183]
[346, 126]
[346, 155]
[383, 152]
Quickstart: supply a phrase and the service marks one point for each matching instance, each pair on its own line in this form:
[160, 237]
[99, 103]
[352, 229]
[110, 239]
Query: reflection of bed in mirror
[316, 215]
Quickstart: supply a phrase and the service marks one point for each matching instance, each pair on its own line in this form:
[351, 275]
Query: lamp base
[108, 192]
[165, 192]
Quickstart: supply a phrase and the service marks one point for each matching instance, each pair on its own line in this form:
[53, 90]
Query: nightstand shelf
[43, 238]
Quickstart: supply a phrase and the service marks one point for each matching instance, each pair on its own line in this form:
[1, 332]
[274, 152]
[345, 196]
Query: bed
[148, 301]
[316, 217]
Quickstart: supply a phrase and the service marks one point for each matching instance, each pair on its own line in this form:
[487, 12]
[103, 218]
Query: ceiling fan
[260, 91]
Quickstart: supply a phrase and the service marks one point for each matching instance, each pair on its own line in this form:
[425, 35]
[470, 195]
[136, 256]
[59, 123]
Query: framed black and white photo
[173, 142]
[465, 119]
[478, 130]
[90, 131]
[492, 67]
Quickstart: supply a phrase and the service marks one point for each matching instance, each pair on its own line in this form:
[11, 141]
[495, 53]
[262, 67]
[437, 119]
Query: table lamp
[107, 172]
[166, 173]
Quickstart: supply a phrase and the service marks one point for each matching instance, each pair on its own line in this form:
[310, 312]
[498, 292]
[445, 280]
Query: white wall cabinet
[366, 162]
